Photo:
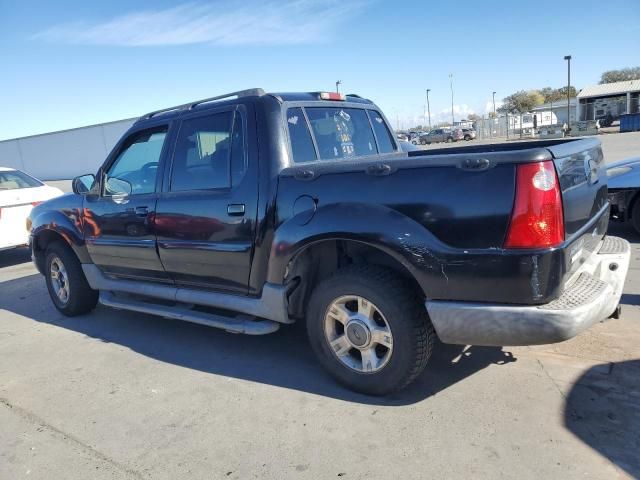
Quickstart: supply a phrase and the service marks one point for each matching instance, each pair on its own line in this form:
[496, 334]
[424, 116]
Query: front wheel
[369, 329]
[67, 285]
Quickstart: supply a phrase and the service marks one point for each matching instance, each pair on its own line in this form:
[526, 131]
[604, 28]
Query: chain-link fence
[518, 126]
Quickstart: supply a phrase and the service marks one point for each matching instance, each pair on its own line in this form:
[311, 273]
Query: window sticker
[293, 120]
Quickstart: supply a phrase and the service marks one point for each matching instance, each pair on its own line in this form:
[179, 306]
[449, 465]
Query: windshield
[14, 179]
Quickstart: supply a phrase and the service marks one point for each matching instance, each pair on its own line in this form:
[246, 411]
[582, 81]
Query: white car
[19, 193]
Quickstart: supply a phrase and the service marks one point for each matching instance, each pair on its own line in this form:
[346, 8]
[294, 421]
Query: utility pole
[451, 83]
[493, 120]
[568, 59]
[428, 108]
[338, 83]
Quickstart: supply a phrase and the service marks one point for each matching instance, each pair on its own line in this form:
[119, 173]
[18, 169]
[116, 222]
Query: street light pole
[451, 83]
[494, 104]
[429, 108]
[338, 83]
[568, 59]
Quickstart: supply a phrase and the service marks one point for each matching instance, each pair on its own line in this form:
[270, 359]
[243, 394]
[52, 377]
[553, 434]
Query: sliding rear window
[339, 133]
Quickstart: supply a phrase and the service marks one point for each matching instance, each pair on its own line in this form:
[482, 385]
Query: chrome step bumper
[592, 295]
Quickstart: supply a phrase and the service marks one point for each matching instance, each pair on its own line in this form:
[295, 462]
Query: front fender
[61, 216]
[378, 226]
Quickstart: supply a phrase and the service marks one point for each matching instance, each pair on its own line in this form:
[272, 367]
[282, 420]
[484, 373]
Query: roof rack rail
[352, 95]
[251, 92]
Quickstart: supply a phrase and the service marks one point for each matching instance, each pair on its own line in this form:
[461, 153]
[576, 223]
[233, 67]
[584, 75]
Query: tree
[629, 73]
[473, 117]
[557, 94]
[522, 101]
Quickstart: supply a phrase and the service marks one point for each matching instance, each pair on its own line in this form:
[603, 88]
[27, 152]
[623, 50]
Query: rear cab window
[334, 133]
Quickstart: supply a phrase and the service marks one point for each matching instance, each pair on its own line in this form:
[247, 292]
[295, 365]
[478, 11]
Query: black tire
[467, 137]
[449, 140]
[405, 314]
[81, 297]
[635, 214]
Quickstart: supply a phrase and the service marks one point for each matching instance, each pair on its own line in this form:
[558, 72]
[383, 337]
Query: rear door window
[202, 155]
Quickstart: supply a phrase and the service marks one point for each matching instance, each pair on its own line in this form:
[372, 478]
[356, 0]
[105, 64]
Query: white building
[609, 99]
[554, 113]
[65, 154]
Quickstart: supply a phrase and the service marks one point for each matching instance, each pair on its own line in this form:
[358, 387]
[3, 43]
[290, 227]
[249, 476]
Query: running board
[240, 324]
[272, 305]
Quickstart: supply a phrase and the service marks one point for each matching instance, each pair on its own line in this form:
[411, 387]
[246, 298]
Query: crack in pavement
[35, 419]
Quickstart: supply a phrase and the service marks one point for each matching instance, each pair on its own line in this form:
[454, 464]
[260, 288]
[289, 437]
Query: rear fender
[375, 225]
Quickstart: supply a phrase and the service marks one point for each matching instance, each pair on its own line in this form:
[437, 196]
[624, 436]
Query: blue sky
[71, 63]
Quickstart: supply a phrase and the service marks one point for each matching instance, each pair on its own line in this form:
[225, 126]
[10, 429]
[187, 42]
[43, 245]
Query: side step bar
[272, 305]
[239, 324]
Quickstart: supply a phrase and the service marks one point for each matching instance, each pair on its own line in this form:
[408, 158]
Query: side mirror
[118, 187]
[83, 184]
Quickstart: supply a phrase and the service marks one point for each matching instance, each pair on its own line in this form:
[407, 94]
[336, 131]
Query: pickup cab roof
[232, 97]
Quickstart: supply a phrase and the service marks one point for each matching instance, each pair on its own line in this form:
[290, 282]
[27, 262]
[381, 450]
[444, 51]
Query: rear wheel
[449, 139]
[67, 285]
[467, 137]
[369, 329]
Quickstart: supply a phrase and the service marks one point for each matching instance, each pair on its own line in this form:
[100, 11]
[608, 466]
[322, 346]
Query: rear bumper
[591, 295]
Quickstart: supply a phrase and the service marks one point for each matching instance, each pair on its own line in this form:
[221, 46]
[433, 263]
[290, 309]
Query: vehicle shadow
[15, 256]
[603, 410]
[282, 359]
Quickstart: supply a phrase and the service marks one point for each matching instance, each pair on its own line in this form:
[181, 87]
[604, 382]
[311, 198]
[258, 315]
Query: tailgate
[583, 182]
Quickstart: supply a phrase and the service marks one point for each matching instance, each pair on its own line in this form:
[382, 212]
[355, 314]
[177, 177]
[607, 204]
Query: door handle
[235, 209]
[142, 211]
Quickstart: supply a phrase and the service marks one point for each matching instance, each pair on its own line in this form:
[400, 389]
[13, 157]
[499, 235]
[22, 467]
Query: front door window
[136, 167]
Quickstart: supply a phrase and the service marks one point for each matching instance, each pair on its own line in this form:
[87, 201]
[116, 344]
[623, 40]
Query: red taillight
[332, 96]
[537, 220]
[35, 204]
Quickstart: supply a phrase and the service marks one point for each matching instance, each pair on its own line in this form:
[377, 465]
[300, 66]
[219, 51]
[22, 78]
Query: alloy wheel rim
[358, 334]
[59, 280]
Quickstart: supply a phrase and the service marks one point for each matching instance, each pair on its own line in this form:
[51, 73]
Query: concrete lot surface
[120, 395]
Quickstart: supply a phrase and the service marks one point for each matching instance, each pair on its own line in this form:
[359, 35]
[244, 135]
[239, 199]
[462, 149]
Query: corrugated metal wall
[63, 155]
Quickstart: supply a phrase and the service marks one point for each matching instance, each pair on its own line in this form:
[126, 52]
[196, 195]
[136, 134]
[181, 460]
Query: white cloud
[252, 22]
[488, 107]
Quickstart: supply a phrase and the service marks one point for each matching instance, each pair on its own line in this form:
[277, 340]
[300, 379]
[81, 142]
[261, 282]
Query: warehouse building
[609, 100]
[65, 154]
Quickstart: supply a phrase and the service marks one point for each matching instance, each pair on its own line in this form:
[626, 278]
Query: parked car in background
[440, 135]
[623, 179]
[403, 137]
[19, 193]
[469, 134]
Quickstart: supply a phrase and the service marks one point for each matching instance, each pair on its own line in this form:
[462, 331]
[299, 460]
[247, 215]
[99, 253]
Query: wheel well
[631, 204]
[321, 260]
[42, 241]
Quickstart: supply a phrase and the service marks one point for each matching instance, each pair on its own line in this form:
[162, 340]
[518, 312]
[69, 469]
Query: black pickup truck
[253, 210]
